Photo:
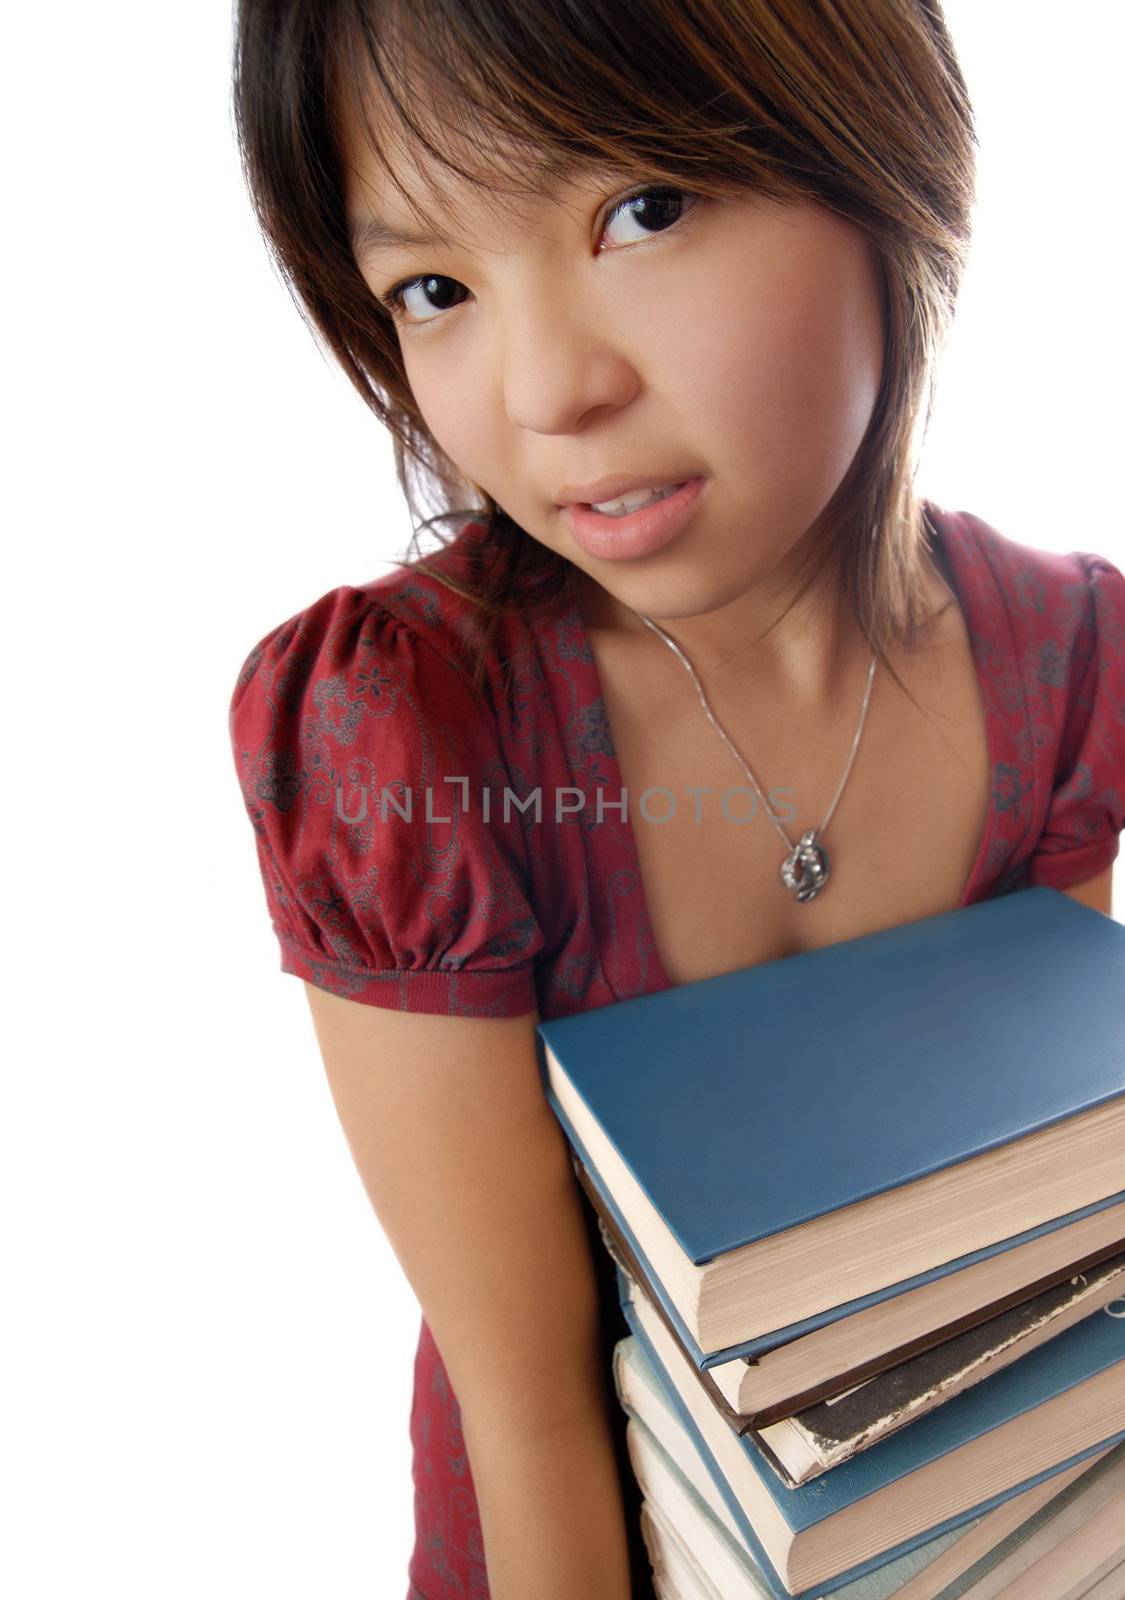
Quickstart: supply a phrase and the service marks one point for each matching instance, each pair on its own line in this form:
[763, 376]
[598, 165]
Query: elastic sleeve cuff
[433, 991]
[1065, 868]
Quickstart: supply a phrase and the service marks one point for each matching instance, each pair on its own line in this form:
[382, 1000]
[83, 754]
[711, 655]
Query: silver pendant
[805, 869]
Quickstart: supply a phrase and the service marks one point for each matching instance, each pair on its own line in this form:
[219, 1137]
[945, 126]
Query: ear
[1095, 892]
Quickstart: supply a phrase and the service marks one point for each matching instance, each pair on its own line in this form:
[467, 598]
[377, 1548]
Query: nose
[561, 358]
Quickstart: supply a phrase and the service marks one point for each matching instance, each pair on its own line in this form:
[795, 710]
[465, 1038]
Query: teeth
[634, 500]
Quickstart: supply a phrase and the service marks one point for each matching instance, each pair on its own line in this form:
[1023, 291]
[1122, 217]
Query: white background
[210, 1343]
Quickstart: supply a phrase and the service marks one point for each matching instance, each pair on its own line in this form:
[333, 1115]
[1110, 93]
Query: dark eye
[438, 289]
[653, 210]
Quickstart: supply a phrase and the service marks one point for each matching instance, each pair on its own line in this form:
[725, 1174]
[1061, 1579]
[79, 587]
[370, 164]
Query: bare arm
[469, 1175]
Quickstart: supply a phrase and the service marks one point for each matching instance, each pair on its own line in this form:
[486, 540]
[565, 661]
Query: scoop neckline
[950, 559]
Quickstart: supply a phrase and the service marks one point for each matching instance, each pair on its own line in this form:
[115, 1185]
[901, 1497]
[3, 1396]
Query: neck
[808, 659]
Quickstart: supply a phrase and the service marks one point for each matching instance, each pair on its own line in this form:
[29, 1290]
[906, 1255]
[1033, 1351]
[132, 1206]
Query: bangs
[516, 100]
[859, 106]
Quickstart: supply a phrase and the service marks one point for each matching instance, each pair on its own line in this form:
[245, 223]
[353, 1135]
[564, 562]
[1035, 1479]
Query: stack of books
[867, 1206]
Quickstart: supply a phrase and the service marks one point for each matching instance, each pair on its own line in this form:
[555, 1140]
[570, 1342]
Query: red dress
[367, 692]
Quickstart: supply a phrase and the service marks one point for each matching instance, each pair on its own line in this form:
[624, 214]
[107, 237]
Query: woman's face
[571, 338]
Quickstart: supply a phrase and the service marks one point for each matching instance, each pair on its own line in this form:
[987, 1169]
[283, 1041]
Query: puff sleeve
[1086, 811]
[384, 882]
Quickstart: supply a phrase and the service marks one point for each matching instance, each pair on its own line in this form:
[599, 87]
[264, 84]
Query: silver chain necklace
[805, 869]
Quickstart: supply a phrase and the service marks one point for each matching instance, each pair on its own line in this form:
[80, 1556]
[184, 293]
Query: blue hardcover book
[1056, 1406]
[794, 1136]
[750, 1390]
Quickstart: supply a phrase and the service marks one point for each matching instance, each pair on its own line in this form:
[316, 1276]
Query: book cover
[746, 1104]
[1084, 1350]
[626, 1252]
[707, 1507]
[943, 1568]
[678, 1522]
[826, 1434]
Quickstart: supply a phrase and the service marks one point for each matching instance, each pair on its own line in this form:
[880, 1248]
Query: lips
[612, 488]
[636, 533]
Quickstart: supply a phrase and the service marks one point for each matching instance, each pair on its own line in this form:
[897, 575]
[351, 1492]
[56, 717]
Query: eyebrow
[367, 234]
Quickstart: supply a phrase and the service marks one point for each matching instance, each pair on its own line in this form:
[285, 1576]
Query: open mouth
[625, 504]
[636, 524]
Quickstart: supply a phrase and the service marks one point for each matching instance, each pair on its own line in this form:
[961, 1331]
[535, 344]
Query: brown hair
[858, 105]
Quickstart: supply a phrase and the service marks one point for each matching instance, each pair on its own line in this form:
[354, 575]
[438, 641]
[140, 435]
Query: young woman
[650, 296]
